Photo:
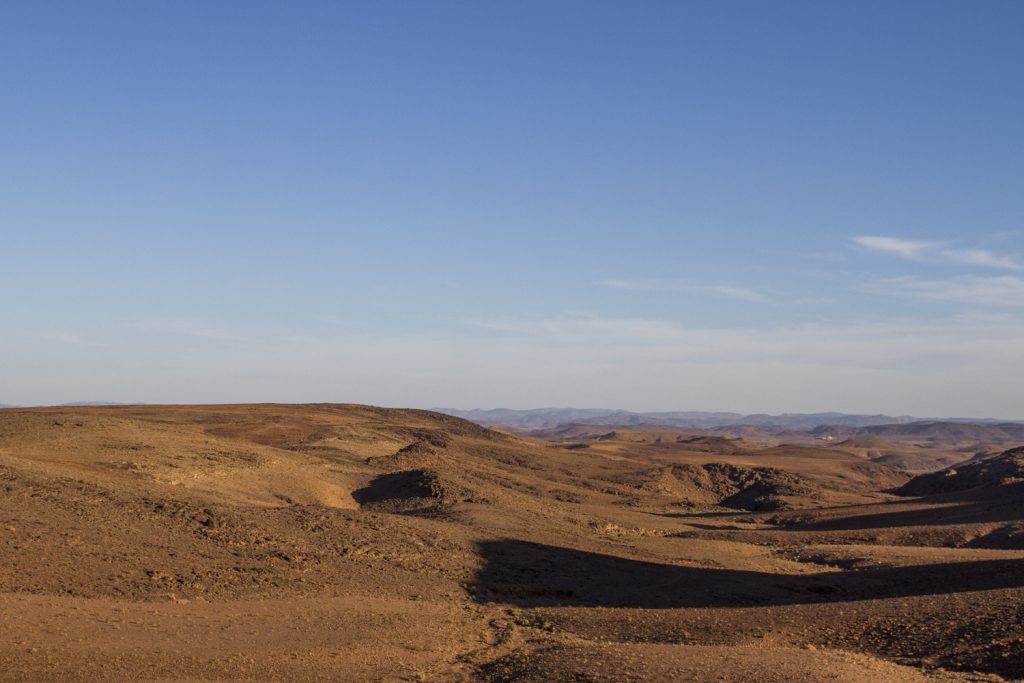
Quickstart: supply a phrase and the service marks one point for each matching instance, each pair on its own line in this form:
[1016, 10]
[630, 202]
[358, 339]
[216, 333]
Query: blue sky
[790, 206]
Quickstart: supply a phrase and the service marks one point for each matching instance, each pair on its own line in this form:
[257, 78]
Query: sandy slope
[331, 542]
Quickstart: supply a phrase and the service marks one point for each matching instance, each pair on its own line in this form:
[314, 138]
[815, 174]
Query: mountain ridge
[544, 418]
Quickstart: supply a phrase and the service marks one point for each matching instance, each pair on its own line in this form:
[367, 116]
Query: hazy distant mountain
[951, 431]
[542, 418]
[78, 404]
[545, 418]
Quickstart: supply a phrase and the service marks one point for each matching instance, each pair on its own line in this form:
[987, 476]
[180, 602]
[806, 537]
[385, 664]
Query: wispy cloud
[982, 259]
[1000, 291]
[967, 364]
[816, 301]
[934, 251]
[741, 293]
[668, 285]
[896, 246]
[893, 345]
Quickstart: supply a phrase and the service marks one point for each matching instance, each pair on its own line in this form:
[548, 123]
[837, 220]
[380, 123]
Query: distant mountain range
[544, 418]
[947, 430]
[76, 404]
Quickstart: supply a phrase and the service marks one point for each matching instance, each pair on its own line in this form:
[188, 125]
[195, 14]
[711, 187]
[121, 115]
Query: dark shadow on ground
[396, 486]
[533, 575]
[738, 514]
[418, 492]
[981, 506]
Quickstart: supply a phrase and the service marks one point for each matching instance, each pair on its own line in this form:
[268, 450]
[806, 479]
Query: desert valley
[347, 542]
[358, 342]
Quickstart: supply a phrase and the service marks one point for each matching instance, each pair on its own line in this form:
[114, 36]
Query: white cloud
[960, 366]
[932, 251]
[982, 259]
[859, 344]
[967, 365]
[668, 285]
[741, 293]
[816, 301]
[999, 291]
[894, 245]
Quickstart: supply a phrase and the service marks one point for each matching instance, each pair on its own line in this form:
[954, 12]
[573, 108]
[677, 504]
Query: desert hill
[347, 542]
[910, 457]
[920, 447]
[1001, 470]
[868, 443]
[914, 447]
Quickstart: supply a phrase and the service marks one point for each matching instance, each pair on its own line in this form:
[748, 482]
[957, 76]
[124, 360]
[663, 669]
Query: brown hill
[344, 542]
[1003, 469]
[729, 486]
[868, 443]
[910, 457]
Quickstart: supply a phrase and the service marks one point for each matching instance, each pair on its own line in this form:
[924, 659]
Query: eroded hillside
[345, 542]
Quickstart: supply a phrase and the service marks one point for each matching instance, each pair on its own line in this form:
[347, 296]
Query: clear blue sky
[753, 206]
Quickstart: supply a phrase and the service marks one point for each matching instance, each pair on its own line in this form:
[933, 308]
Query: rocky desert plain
[351, 543]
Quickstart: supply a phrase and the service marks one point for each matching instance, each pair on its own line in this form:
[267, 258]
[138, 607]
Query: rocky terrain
[346, 542]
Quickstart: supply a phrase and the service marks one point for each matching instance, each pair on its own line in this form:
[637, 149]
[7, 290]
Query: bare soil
[345, 542]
